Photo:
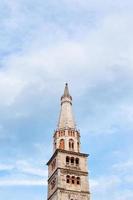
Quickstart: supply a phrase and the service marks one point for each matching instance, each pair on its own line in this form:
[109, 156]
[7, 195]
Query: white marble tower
[67, 168]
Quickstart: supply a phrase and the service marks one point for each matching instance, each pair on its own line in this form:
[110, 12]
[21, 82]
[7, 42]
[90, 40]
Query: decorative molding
[69, 191]
[68, 152]
[67, 171]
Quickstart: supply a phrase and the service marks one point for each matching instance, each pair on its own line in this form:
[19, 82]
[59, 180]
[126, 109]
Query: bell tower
[67, 168]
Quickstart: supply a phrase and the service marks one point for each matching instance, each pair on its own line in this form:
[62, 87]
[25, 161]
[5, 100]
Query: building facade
[67, 168]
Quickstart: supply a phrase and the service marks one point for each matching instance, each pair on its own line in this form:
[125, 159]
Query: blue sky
[44, 44]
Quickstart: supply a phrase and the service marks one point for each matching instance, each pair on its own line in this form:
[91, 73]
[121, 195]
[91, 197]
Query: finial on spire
[66, 92]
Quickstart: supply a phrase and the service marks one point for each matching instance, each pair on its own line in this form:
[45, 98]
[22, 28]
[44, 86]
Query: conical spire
[66, 119]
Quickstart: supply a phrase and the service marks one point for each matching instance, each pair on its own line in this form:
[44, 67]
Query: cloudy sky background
[44, 44]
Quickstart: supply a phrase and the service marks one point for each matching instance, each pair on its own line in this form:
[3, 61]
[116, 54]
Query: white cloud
[125, 166]
[104, 184]
[109, 188]
[25, 167]
[99, 57]
[22, 173]
[19, 182]
[10, 88]
[6, 167]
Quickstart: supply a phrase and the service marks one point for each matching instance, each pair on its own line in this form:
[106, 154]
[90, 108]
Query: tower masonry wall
[62, 170]
[54, 196]
[59, 161]
[82, 187]
[68, 195]
[52, 184]
[82, 166]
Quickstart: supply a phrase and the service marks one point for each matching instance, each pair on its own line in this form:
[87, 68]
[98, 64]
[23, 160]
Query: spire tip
[66, 92]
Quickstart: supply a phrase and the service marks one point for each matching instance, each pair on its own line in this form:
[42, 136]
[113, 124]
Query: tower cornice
[62, 189]
[69, 171]
[68, 152]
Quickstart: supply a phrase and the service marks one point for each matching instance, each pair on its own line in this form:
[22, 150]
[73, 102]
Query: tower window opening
[72, 160]
[77, 161]
[78, 180]
[53, 183]
[62, 144]
[68, 179]
[73, 179]
[71, 144]
[67, 160]
[53, 164]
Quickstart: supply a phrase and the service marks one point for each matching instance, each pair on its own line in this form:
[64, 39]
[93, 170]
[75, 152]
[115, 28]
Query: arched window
[72, 160]
[71, 144]
[77, 161]
[73, 179]
[68, 179]
[53, 165]
[53, 183]
[78, 180]
[62, 144]
[67, 160]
